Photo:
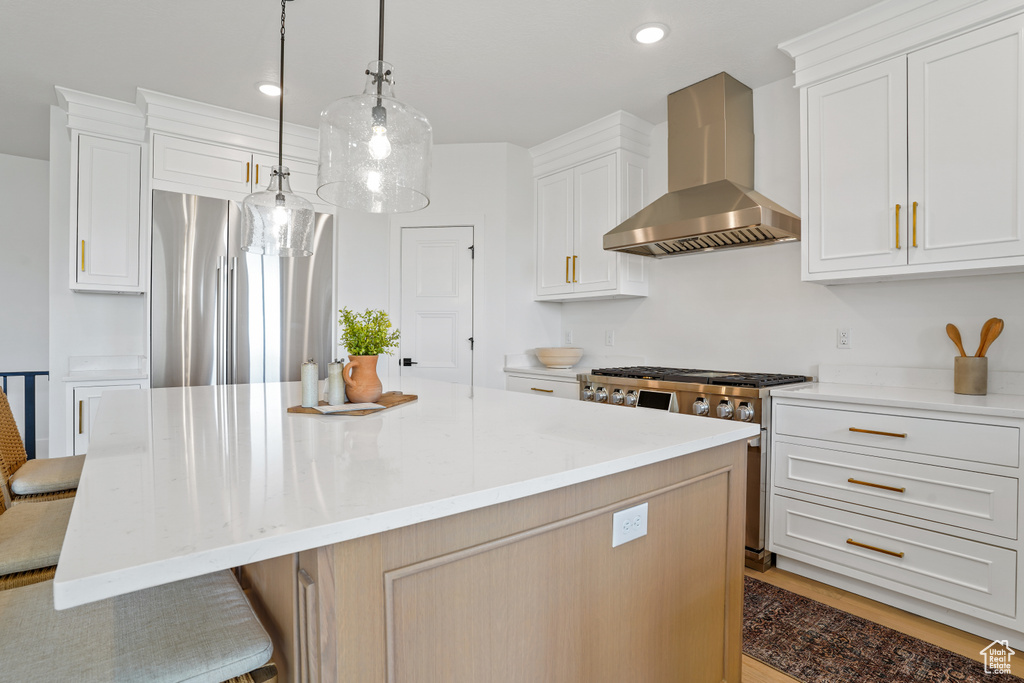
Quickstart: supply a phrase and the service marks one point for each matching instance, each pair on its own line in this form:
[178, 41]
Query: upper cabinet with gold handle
[106, 215]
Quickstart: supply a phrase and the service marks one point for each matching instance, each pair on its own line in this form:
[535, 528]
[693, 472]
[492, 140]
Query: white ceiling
[519, 71]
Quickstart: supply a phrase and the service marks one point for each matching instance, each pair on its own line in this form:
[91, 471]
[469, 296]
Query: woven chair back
[12, 449]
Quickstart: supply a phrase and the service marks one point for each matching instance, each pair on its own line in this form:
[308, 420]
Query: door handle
[80, 416]
[233, 319]
[566, 269]
[574, 269]
[914, 243]
[257, 174]
[897, 226]
[406, 362]
[247, 171]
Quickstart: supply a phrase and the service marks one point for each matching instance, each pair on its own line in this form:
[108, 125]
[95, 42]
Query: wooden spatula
[954, 334]
[993, 332]
[984, 333]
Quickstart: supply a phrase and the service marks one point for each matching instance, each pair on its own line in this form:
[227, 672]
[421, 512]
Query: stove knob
[601, 395]
[725, 409]
[630, 398]
[588, 393]
[701, 407]
[617, 397]
[745, 412]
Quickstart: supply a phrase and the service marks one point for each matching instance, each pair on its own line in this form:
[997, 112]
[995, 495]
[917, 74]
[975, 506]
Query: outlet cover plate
[629, 524]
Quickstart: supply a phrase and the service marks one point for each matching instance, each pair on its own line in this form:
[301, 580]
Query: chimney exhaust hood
[710, 172]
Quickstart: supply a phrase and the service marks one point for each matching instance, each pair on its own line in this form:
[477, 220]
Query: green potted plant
[365, 335]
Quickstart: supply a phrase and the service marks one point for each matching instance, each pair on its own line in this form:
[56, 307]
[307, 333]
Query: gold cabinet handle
[80, 413]
[83, 256]
[257, 174]
[574, 269]
[897, 226]
[247, 171]
[566, 270]
[897, 489]
[914, 243]
[546, 391]
[871, 547]
[872, 431]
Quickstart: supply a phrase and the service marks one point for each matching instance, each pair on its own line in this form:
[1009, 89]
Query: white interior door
[437, 304]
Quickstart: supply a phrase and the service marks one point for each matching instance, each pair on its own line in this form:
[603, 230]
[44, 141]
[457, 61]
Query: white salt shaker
[335, 383]
[310, 384]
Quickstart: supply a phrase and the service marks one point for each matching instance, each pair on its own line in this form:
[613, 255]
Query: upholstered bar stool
[24, 480]
[200, 630]
[31, 537]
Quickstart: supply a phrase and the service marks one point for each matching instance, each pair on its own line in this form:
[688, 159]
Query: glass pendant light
[277, 222]
[375, 150]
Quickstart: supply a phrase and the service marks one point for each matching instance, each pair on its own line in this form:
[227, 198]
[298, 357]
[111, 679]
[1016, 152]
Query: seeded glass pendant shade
[375, 150]
[277, 222]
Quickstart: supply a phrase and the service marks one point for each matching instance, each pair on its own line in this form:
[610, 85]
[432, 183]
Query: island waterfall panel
[532, 590]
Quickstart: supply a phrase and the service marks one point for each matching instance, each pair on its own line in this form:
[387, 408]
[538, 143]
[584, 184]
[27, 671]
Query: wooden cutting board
[388, 400]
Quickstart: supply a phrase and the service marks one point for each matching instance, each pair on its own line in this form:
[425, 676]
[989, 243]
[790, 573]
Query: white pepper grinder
[310, 384]
[335, 383]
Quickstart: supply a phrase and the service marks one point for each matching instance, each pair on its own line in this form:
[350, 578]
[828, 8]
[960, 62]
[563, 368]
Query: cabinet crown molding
[200, 121]
[104, 116]
[886, 30]
[620, 130]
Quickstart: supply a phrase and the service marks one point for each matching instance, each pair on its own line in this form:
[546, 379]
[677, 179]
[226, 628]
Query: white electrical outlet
[629, 525]
[844, 338]
[568, 336]
[609, 337]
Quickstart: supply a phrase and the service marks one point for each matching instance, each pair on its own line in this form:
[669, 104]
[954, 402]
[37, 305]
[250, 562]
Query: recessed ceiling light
[269, 89]
[650, 33]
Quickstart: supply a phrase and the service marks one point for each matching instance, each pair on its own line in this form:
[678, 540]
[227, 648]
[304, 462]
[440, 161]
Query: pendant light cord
[380, 54]
[280, 116]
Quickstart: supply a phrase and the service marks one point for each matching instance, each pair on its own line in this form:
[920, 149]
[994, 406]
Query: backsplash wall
[747, 309]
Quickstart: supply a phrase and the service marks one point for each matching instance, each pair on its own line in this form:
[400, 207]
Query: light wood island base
[528, 590]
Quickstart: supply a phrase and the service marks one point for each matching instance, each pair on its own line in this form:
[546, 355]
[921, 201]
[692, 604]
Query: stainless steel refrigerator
[222, 316]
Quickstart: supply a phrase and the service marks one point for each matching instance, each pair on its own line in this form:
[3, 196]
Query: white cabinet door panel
[595, 214]
[554, 233]
[966, 145]
[109, 177]
[203, 165]
[86, 402]
[856, 145]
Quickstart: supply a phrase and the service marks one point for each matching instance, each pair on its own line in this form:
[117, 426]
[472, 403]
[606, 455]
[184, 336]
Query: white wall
[747, 309]
[24, 288]
[80, 324]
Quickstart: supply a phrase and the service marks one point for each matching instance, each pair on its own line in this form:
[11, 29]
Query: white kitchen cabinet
[575, 208]
[537, 385]
[914, 165]
[197, 165]
[85, 402]
[106, 248]
[903, 496]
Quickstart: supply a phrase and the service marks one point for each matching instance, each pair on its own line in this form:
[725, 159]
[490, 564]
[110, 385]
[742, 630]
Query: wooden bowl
[559, 356]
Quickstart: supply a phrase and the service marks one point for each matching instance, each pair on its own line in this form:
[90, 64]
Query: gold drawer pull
[897, 226]
[872, 431]
[871, 547]
[546, 391]
[897, 489]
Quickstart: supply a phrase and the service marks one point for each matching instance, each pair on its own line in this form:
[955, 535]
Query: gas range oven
[718, 395]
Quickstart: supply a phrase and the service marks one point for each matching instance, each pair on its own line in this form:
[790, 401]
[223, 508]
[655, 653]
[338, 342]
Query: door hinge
[470, 343]
[472, 251]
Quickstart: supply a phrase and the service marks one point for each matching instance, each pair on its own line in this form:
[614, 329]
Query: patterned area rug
[816, 643]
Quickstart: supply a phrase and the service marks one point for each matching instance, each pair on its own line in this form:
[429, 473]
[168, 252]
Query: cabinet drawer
[933, 567]
[970, 500]
[543, 387]
[968, 441]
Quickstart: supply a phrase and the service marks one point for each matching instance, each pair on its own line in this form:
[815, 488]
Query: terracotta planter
[361, 382]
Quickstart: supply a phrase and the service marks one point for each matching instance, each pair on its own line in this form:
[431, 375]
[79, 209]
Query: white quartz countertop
[183, 482]
[996, 405]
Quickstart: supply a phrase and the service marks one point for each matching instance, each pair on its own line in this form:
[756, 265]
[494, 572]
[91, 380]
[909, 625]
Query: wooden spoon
[994, 331]
[954, 334]
[984, 333]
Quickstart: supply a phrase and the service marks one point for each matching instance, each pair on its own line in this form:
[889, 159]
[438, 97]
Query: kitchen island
[464, 537]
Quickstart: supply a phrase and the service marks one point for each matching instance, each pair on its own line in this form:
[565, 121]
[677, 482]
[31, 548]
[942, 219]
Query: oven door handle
[754, 442]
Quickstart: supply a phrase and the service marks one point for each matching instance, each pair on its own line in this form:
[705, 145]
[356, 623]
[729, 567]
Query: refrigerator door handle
[222, 318]
[233, 321]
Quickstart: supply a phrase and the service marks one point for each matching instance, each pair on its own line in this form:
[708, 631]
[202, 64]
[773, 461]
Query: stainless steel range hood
[710, 172]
